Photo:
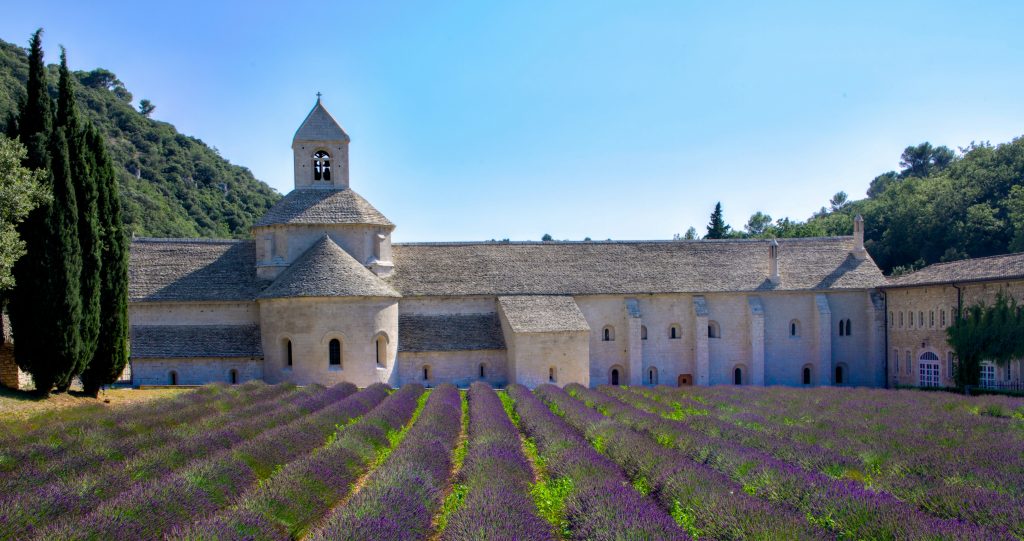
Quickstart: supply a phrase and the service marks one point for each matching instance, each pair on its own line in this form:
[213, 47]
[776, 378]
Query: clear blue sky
[626, 120]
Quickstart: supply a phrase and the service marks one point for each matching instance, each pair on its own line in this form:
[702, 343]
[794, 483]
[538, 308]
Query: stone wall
[198, 371]
[457, 367]
[933, 309]
[311, 323]
[193, 313]
[10, 375]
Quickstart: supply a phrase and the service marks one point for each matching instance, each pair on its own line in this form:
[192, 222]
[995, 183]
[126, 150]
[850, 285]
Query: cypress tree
[28, 315]
[111, 354]
[717, 228]
[82, 166]
[58, 355]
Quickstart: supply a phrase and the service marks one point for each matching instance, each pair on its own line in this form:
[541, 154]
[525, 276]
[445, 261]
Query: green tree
[924, 159]
[21, 191]
[758, 224]
[111, 353]
[146, 107]
[838, 201]
[717, 228]
[546, 238]
[29, 316]
[82, 165]
[986, 333]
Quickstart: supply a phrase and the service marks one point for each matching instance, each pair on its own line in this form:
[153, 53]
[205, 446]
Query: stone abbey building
[319, 294]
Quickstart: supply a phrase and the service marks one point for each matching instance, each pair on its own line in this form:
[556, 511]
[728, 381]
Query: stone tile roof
[319, 125]
[449, 332]
[320, 206]
[998, 267]
[168, 341]
[326, 270]
[543, 313]
[624, 267]
[192, 270]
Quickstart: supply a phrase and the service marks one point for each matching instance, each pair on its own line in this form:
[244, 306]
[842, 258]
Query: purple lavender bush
[400, 498]
[602, 504]
[497, 477]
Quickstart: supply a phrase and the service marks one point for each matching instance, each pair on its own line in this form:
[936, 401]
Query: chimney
[773, 262]
[858, 238]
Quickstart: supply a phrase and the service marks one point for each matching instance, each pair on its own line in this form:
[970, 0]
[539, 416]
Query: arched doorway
[684, 380]
[737, 376]
[233, 376]
[174, 377]
[615, 376]
[839, 375]
[928, 370]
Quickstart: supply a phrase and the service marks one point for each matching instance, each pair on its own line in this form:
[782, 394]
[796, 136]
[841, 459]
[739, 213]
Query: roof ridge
[186, 239]
[945, 263]
[588, 242]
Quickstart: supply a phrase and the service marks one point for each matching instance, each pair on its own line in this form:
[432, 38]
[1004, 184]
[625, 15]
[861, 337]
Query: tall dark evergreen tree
[82, 166]
[59, 353]
[717, 228]
[28, 315]
[111, 353]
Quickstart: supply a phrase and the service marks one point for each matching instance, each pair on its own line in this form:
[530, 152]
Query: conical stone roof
[320, 126]
[326, 270]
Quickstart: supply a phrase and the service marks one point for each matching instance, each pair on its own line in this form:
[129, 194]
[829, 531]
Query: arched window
[608, 334]
[233, 376]
[737, 376]
[643, 332]
[382, 350]
[896, 356]
[839, 375]
[794, 328]
[807, 375]
[174, 377]
[906, 359]
[713, 330]
[321, 166]
[652, 375]
[287, 353]
[552, 375]
[942, 318]
[842, 328]
[901, 320]
[892, 322]
[928, 370]
[334, 352]
[931, 319]
[949, 364]
[849, 331]
[675, 332]
[483, 371]
[920, 319]
[426, 372]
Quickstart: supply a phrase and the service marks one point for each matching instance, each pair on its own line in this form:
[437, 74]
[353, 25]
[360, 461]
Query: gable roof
[627, 267]
[449, 332]
[542, 313]
[319, 125]
[167, 341]
[319, 206]
[326, 270]
[997, 267]
[192, 270]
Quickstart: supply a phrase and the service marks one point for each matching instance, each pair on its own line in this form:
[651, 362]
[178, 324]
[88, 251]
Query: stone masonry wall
[198, 371]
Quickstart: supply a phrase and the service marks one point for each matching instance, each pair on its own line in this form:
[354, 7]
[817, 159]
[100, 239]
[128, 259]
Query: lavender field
[281, 462]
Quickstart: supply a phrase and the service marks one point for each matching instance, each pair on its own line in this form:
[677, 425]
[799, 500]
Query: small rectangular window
[931, 319]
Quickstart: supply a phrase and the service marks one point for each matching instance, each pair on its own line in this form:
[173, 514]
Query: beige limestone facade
[922, 305]
[320, 295]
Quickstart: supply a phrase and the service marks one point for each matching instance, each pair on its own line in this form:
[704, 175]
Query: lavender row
[283, 506]
[497, 477]
[401, 496]
[914, 467]
[207, 485]
[601, 504]
[842, 506]
[706, 502]
[23, 512]
[81, 453]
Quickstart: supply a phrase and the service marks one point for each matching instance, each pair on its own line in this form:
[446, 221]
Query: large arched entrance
[615, 376]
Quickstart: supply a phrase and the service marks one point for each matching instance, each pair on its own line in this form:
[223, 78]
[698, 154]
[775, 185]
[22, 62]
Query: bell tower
[320, 148]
